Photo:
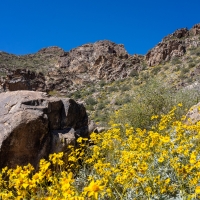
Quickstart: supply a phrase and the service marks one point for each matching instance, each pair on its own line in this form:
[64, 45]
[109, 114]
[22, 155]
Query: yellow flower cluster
[121, 163]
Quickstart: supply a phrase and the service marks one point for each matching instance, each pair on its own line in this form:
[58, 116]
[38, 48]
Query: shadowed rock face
[32, 125]
[23, 80]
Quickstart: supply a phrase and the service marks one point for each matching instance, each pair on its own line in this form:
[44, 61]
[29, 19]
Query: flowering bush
[121, 163]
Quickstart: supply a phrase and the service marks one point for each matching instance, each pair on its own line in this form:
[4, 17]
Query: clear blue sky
[29, 25]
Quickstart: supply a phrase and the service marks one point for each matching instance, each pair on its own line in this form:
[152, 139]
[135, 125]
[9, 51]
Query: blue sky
[29, 25]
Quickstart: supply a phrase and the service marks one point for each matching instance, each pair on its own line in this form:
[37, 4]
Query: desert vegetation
[147, 152]
[124, 162]
[149, 149]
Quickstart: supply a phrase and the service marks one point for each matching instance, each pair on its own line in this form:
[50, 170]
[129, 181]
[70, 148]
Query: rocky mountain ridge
[56, 71]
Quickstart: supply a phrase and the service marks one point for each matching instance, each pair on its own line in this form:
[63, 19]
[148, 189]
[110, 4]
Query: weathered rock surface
[23, 80]
[193, 115]
[196, 29]
[164, 51]
[174, 45]
[68, 71]
[32, 125]
[103, 60]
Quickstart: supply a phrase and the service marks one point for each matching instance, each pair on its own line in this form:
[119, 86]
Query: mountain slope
[103, 74]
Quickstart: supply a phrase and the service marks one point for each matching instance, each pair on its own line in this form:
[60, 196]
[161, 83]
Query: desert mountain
[54, 69]
[102, 73]
[67, 71]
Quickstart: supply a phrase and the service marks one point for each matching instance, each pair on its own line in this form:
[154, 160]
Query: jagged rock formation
[174, 45]
[33, 125]
[103, 60]
[68, 71]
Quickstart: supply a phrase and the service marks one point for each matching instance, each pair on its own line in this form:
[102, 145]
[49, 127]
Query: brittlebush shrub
[154, 98]
[121, 163]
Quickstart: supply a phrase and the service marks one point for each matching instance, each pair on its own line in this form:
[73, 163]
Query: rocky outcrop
[22, 80]
[195, 29]
[173, 45]
[68, 71]
[164, 51]
[32, 125]
[193, 115]
[103, 60]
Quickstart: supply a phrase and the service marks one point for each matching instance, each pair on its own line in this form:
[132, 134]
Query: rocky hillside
[62, 71]
[103, 74]
[54, 70]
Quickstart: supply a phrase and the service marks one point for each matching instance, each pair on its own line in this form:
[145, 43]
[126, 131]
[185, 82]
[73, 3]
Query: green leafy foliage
[154, 98]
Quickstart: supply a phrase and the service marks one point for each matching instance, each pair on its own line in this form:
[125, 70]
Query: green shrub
[144, 75]
[2, 73]
[112, 89]
[153, 98]
[123, 100]
[183, 74]
[175, 61]
[195, 51]
[166, 67]
[191, 65]
[133, 73]
[90, 101]
[101, 106]
[101, 117]
[90, 107]
[102, 83]
[176, 68]
[184, 70]
[137, 82]
[156, 69]
[125, 88]
[77, 95]
[53, 93]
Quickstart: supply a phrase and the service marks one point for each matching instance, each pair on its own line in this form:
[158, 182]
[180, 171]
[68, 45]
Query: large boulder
[33, 125]
[193, 115]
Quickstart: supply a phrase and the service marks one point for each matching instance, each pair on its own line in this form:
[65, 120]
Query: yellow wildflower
[94, 188]
[197, 190]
